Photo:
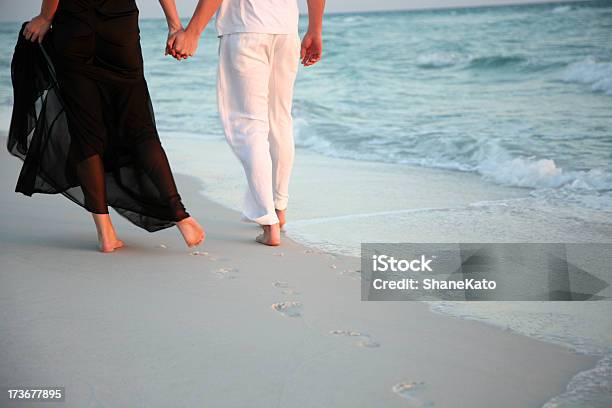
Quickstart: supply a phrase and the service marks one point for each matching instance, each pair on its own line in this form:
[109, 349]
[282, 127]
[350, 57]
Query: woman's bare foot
[107, 237]
[281, 217]
[270, 236]
[192, 232]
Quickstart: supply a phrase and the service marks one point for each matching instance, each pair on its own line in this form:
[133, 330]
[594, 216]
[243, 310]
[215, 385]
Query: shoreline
[362, 201]
[211, 327]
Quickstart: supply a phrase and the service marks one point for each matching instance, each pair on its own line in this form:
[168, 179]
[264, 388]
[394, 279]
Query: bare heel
[192, 232]
[270, 236]
[107, 237]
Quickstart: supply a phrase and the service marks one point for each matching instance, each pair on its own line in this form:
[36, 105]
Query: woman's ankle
[104, 224]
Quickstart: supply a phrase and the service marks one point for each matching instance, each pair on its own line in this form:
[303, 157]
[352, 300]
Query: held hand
[185, 43]
[36, 29]
[312, 48]
[172, 33]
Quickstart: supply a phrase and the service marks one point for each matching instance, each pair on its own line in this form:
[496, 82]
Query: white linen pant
[254, 93]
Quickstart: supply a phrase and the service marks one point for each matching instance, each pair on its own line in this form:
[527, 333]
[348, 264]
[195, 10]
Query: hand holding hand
[312, 48]
[36, 29]
[185, 43]
[172, 32]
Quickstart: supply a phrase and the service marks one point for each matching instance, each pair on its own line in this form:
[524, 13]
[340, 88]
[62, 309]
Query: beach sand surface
[153, 325]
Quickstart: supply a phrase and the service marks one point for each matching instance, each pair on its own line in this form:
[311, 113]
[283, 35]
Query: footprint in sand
[363, 339]
[348, 333]
[366, 341]
[288, 308]
[209, 256]
[411, 391]
[287, 289]
[278, 254]
[226, 273]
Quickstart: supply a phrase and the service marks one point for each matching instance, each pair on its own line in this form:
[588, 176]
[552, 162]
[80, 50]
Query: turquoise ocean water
[518, 96]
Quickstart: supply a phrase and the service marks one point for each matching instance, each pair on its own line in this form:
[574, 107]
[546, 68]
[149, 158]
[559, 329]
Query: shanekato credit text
[384, 263]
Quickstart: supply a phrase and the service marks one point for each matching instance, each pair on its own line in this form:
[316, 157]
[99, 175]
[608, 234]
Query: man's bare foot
[107, 237]
[281, 217]
[192, 232]
[270, 236]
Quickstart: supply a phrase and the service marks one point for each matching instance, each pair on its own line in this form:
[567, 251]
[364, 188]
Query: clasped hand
[181, 44]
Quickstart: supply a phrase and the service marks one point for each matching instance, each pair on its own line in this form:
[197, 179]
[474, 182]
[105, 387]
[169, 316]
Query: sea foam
[438, 59]
[541, 173]
[562, 9]
[592, 72]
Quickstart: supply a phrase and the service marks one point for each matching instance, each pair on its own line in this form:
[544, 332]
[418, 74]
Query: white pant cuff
[280, 204]
[268, 219]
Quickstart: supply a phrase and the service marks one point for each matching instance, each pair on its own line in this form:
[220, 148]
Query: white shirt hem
[253, 29]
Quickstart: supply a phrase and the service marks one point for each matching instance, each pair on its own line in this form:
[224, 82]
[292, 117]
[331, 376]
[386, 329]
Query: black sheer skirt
[82, 118]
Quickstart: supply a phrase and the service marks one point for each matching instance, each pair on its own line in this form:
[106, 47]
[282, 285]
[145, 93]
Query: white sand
[157, 327]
